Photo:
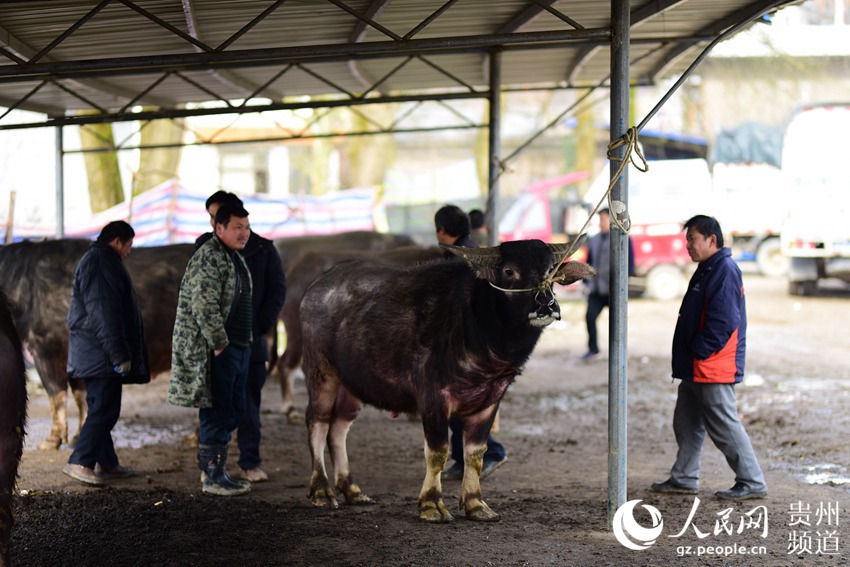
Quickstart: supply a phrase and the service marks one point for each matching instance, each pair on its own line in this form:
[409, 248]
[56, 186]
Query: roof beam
[230, 78]
[358, 35]
[741, 16]
[638, 16]
[275, 56]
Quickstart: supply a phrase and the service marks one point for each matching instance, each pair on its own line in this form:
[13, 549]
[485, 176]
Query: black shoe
[117, 471]
[670, 487]
[741, 492]
[454, 472]
[491, 465]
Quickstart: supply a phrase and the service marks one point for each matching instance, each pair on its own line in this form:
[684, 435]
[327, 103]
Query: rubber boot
[212, 460]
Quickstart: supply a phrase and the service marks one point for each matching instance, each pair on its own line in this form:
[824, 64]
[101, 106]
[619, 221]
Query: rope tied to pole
[629, 140]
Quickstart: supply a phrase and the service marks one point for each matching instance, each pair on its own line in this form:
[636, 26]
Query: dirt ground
[551, 494]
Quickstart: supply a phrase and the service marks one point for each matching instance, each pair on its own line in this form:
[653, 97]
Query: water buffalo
[37, 278]
[290, 248]
[445, 338]
[300, 273]
[13, 412]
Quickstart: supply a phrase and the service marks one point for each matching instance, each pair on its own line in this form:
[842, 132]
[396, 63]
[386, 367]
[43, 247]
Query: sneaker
[670, 487]
[741, 492]
[454, 472]
[589, 355]
[83, 474]
[491, 465]
[115, 472]
[254, 475]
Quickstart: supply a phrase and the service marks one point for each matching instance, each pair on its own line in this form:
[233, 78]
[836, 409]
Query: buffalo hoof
[482, 513]
[294, 417]
[324, 499]
[50, 444]
[353, 494]
[435, 512]
[358, 499]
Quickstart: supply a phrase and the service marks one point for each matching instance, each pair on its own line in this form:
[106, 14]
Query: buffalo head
[525, 270]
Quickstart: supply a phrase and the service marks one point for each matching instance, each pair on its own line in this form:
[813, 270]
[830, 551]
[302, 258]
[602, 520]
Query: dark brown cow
[13, 413]
[300, 273]
[445, 338]
[37, 278]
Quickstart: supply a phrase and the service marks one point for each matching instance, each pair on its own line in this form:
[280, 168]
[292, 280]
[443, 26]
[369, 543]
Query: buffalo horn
[481, 257]
[559, 250]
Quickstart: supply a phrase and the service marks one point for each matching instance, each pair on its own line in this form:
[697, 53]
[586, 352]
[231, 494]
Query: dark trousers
[248, 434]
[229, 375]
[495, 450]
[94, 443]
[595, 304]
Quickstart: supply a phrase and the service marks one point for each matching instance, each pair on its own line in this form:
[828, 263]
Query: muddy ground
[551, 494]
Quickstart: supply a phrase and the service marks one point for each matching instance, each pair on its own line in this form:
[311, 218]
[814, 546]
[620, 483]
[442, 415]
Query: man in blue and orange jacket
[709, 347]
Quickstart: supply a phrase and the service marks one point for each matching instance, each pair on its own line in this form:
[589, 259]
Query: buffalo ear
[570, 272]
[476, 257]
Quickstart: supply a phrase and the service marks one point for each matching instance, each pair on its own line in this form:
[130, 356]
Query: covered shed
[82, 62]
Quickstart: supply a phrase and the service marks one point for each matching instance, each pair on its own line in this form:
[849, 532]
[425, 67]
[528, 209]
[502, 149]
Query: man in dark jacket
[453, 227]
[599, 293]
[106, 349]
[267, 299]
[709, 346]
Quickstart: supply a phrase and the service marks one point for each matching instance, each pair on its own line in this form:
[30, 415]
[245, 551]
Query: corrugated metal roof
[67, 55]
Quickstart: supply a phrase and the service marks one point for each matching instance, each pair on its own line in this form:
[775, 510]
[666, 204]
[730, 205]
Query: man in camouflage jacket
[211, 344]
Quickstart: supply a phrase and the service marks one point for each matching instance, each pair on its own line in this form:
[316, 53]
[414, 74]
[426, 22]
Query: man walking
[709, 346]
[106, 348]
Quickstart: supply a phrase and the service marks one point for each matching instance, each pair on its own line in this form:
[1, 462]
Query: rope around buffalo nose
[629, 140]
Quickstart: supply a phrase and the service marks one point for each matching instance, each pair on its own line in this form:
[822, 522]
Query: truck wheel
[770, 260]
[665, 282]
[804, 287]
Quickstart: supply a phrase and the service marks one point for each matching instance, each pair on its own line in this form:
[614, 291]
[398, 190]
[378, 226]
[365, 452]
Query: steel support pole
[494, 147]
[619, 278]
[60, 183]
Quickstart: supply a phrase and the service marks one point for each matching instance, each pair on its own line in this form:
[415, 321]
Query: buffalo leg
[54, 377]
[78, 390]
[345, 412]
[287, 388]
[431, 505]
[323, 391]
[475, 431]
[59, 421]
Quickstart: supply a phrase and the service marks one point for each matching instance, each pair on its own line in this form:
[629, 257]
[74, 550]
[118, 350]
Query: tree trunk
[104, 177]
[158, 165]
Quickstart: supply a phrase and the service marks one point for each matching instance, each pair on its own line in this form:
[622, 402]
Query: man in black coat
[453, 227]
[268, 295]
[106, 348]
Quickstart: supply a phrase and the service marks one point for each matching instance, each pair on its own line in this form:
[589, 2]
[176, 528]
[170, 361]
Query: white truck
[743, 197]
[816, 232]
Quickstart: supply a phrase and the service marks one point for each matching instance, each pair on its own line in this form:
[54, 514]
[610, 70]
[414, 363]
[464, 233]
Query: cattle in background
[300, 273]
[13, 413]
[37, 278]
[289, 250]
[443, 339]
